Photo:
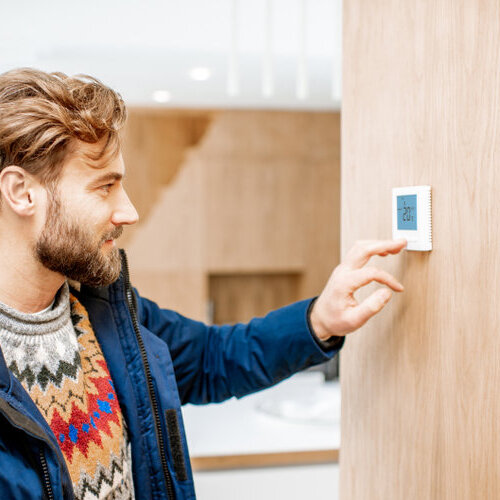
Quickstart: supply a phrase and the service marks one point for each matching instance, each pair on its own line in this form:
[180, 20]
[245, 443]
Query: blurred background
[232, 150]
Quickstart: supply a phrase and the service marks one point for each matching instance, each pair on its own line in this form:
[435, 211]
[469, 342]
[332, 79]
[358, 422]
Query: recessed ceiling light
[200, 73]
[161, 95]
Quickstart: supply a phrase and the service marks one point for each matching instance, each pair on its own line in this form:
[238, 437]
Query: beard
[68, 248]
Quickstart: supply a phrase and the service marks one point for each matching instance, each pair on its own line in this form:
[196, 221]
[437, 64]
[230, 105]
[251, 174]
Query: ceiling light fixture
[162, 96]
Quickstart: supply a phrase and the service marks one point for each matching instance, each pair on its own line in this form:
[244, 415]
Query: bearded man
[92, 375]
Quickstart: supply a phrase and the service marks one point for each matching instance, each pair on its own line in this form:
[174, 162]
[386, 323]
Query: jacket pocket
[175, 444]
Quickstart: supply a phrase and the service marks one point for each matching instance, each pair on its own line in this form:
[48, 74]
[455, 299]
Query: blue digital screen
[407, 212]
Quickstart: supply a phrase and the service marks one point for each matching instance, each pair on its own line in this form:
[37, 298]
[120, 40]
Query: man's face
[85, 213]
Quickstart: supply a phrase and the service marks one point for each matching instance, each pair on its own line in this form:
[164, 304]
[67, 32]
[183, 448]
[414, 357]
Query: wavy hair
[42, 115]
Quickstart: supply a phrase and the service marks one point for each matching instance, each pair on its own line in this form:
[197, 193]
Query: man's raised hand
[336, 311]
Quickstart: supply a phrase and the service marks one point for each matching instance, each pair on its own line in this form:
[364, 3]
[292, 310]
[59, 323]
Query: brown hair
[43, 114]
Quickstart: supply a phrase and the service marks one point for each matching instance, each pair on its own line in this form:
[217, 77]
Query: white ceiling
[139, 47]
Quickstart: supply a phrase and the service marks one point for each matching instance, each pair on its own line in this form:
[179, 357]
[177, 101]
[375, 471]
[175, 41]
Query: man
[92, 376]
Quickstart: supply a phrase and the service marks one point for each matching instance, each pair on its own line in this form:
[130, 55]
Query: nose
[125, 212]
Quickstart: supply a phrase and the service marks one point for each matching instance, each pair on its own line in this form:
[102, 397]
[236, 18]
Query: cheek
[101, 228]
[94, 216]
[42, 212]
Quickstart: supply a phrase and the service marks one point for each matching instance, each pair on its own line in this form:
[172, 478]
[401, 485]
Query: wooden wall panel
[420, 403]
[253, 214]
[166, 251]
[273, 194]
[240, 297]
[184, 290]
[171, 237]
[155, 146]
[258, 193]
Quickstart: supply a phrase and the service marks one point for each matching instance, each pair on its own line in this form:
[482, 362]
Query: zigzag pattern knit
[57, 358]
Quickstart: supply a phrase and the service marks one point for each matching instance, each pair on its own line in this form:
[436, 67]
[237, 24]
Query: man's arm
[213, 363]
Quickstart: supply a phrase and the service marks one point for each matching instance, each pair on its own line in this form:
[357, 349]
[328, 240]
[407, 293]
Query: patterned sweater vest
[58, 360]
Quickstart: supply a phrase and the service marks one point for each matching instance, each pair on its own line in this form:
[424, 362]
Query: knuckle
[343, 276]
[376, 304]
[339, 270]
[371, 271]
[340, 283]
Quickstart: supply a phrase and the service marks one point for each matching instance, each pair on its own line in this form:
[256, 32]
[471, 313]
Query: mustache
[114, 234]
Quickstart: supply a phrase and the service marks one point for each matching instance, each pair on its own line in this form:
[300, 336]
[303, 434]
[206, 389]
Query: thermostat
[412, 216]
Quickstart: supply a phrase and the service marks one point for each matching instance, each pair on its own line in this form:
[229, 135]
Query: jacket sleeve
[213, 363]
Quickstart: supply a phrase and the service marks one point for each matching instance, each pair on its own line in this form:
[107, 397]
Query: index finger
[362, 251]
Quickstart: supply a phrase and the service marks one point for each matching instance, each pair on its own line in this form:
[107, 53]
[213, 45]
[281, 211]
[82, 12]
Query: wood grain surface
[420, 382]
[241, 297]
[257, 193]
[155, 146]
[257, 460]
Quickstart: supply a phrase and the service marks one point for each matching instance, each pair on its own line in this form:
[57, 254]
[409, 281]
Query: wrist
[328, 341]
[317, 325]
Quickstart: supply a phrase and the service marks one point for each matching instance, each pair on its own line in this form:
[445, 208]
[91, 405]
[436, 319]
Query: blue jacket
[158, 360]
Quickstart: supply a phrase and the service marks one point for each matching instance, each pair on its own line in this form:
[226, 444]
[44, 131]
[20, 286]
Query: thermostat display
[407, 212]
[412, 216]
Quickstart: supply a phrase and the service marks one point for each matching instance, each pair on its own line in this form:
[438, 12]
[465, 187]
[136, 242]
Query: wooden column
[421, 105]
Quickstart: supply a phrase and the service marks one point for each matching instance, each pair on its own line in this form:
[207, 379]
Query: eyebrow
[110, 176]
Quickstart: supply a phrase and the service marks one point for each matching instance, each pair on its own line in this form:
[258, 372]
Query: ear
[17, 188]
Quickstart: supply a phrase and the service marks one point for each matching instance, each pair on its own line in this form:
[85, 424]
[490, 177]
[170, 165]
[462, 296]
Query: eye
[106, 187]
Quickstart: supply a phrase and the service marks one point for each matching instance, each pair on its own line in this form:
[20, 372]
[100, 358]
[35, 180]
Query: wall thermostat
[412, 216]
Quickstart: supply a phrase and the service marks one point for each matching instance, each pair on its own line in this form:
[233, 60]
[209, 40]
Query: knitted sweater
[58, 360]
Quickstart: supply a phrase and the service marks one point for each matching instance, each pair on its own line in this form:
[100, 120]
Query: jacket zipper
[145, 362]
[46, 478]
[17, 420]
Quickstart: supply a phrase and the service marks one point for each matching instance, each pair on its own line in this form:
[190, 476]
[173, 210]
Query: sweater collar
[41, 323]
